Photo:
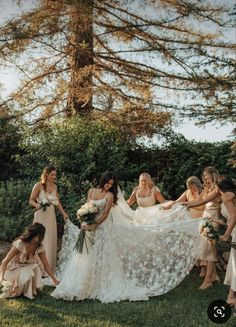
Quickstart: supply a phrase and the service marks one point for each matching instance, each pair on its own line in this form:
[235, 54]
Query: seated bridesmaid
[194, 189]
[21, 270]
[146, 194]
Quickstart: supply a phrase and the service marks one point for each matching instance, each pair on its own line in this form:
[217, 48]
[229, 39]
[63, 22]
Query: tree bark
[81, 86]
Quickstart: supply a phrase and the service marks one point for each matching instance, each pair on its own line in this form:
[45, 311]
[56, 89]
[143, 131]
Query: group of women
[135, 254]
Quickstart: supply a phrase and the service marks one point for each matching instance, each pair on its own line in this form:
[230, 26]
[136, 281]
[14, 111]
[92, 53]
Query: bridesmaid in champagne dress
[21, 270]
[207, 252]
[146, 194]
[46, 191]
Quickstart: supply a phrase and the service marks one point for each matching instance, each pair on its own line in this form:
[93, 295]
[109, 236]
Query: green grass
[185, 306]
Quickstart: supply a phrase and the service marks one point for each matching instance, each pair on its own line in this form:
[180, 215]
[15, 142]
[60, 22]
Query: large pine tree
[135, 63]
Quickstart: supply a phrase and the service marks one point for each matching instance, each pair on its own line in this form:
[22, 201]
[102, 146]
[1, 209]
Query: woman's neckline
[146, 196]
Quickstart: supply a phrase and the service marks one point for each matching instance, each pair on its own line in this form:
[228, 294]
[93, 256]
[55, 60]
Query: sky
[213, 132]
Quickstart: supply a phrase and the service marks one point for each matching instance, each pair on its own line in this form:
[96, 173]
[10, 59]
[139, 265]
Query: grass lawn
[185, 306]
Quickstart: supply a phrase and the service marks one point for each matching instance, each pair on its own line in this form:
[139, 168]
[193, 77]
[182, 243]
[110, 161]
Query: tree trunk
[81, 86]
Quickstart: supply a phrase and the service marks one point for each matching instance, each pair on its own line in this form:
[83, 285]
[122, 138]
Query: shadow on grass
[183, 306]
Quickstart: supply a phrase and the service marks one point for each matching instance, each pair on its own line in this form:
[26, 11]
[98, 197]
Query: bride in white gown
[132, 258]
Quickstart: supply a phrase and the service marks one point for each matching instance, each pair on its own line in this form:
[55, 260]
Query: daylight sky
[209, 132]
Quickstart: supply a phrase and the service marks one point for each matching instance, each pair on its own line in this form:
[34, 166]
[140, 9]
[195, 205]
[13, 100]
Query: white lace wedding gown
[136, 254]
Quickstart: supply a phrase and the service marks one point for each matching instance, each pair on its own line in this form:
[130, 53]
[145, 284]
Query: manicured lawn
[185, 306]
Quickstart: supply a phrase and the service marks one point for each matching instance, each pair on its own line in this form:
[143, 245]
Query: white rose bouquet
[46, 202]
[208, 231]
[86, 216]
[5, 289]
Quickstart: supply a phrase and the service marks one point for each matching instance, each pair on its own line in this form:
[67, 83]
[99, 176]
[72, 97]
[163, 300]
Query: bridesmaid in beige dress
[194, 189]
[207, 253]
[21, 270]
[226, 189]
[146, 194]
[46, 190]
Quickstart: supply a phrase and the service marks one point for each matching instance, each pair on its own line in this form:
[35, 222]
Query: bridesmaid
[212, 211]
[227, 190]
[194, 189]
[146, 194]
[46, 189]
[21, 271]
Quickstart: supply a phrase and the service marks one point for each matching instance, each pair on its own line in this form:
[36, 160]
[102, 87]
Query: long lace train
[136, 254]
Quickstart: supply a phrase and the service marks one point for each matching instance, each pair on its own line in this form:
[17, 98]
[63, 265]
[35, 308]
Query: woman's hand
[56, 281]
[37, 206]
[224, 237]
[214, 220]
[167, 205]
[91, 227]
[65, 216]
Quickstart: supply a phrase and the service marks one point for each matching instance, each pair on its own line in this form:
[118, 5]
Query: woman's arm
[13, 251]
[159, 197]
[200, 200]
[169, 204]
[228, 202]
[62, 211]
[48, 268]
[132, 199]
[34, 195]
[109, 204]
[89, 194]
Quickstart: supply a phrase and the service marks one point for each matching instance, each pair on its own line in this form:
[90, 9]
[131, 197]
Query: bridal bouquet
[5, 289]
[46, 202]
[208, 231]
[86, 216]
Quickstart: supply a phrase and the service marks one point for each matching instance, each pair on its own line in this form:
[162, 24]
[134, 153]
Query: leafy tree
[171, 163]
[9, 139]
[121, 61]
[79, 148]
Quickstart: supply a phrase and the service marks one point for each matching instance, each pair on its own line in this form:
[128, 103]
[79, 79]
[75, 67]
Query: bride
[130, 259]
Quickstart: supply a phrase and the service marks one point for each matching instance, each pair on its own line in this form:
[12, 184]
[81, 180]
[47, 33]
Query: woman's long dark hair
[105, 178]
[32, 231]
[226, 184]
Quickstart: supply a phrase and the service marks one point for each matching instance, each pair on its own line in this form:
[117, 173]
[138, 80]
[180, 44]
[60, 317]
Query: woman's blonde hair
[214, 173]
[194, 180]
[149, 179]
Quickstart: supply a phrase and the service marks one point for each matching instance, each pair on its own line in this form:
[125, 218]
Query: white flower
[44, 201]
[207, 230]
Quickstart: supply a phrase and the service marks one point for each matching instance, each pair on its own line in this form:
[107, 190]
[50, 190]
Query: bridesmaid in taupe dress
[47, 189]
[194, 189]
[227, 189]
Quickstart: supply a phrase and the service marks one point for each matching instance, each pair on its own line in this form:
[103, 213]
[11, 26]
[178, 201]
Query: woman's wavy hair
[226, 184]
[149, 179]
[194, 180]
[32, 231]
[214, 173]
[46, 171]
[105, 178]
